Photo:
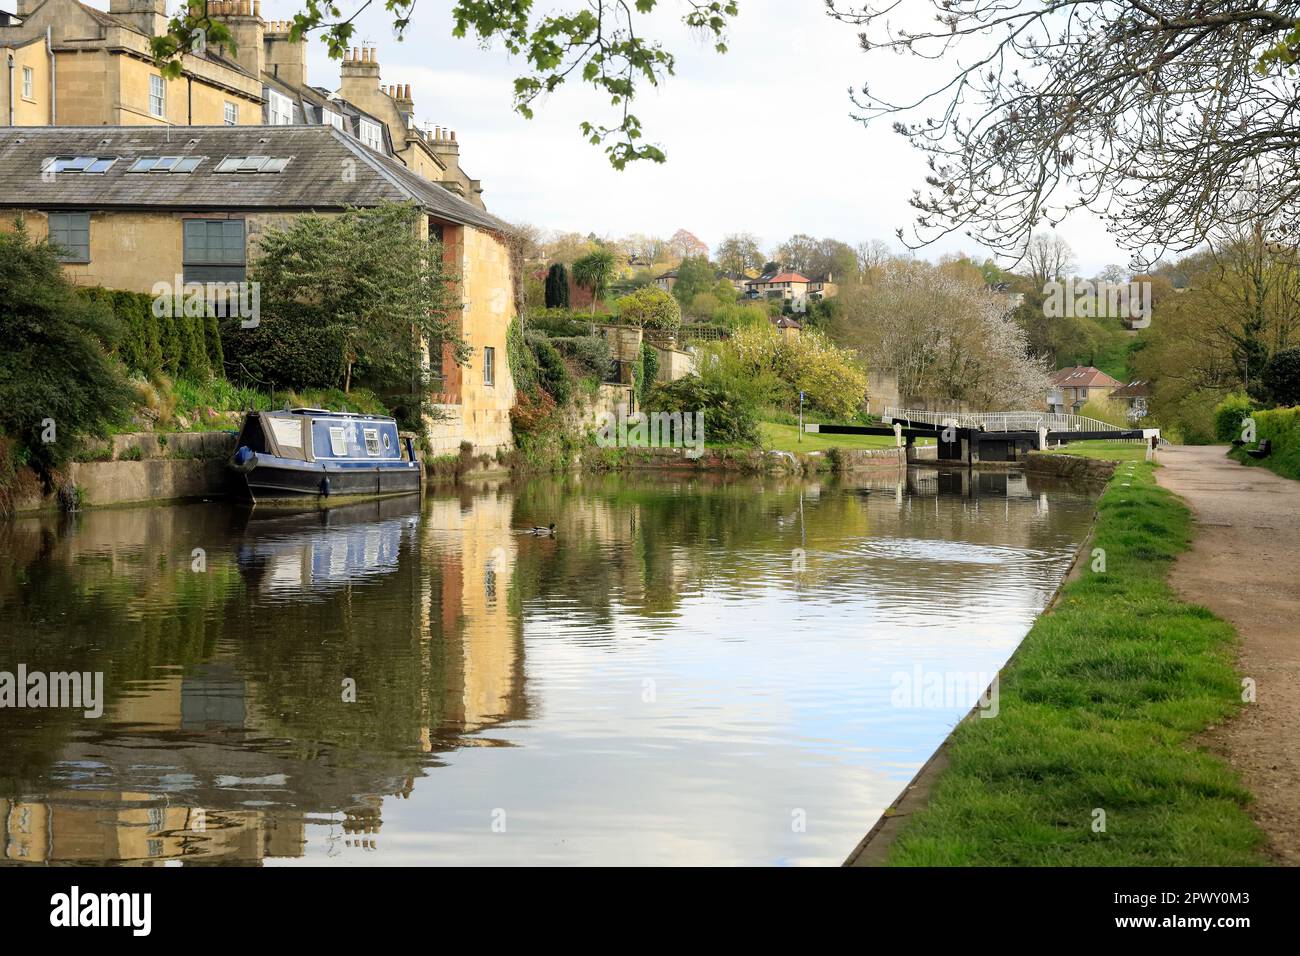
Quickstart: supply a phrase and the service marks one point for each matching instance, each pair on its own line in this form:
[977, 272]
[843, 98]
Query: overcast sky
[758, 140]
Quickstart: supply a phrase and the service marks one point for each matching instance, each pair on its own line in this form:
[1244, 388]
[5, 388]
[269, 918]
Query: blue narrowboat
[314, 453]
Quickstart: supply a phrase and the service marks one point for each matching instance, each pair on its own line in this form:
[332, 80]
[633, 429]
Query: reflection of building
[476, 553]
[230, 758]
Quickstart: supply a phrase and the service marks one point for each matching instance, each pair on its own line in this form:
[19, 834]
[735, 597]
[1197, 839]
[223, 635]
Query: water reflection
[686, 672]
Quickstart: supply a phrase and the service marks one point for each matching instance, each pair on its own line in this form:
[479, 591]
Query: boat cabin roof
[325, 412]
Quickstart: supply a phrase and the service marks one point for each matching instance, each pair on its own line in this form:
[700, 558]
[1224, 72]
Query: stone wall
[589, 411]
[147, 466]
[1070, 466]
[673, 364]
[624, 341]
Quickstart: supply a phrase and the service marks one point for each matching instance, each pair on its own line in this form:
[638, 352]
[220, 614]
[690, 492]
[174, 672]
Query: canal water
[691, 671]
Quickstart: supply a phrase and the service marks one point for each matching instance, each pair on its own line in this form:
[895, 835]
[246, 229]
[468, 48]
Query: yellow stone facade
[101, 70]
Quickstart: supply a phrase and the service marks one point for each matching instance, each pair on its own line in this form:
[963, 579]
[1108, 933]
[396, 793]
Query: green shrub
[589, 352]
[727, 420]
[58, 383]
[1280, 427]
[553, 375]
[559, 323]
[557, 287]
[1281, 377]
[1228, 416]
[287, 350]
[651, 308]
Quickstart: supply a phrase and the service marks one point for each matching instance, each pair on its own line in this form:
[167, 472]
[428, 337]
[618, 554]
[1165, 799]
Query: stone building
[69, 64]
[133, 206]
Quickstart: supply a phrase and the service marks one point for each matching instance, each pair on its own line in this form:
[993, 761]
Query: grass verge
[1107, 450]
[779, 437]
[1098, 709]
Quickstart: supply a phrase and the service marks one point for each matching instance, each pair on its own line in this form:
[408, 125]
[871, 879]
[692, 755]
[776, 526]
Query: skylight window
[252, 164]
[165, 164]
[79, 164]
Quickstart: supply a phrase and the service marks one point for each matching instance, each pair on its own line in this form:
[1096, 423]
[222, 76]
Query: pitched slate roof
[327, 170]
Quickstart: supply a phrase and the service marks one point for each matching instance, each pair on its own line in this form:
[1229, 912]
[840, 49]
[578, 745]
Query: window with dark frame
[489, 365]
[71, 232]
[214, 250]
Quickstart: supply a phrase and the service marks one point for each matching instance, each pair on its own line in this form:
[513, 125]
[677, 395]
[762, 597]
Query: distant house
[788, 327]
[667, 280]
[739, 281]
[1072, 388]
[823, 287]
[791, 287]
[1136, 397]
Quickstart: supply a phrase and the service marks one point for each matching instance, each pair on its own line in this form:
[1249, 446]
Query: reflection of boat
[313, 453]
[308, 551]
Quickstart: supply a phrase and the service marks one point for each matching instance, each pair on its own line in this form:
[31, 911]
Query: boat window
[372, 441]
[388, 443]
[338, 441]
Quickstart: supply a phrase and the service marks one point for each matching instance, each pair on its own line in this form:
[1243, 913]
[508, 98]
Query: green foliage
[828, 376]
[651, 308]
[552, 374]
[559, 323]
[590, 353]
[646, 371]
[1280, 427]
[1281, 377]
[347, 296]
[523, 364]
[55, 357]
[557, 287]
[594, 272]
[1229, 414]
[727, 419]
[1101, 706]
[695, 275]
[1104, 410]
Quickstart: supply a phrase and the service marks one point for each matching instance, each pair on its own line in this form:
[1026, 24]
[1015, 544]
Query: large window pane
[71, 231]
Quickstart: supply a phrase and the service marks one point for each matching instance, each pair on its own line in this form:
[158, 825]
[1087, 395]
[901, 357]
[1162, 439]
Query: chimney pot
[453, 136]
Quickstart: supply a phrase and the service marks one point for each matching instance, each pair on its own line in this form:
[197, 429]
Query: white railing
[1004, 421]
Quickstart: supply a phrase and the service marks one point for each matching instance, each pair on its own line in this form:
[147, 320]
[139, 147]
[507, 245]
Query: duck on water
[304, 453]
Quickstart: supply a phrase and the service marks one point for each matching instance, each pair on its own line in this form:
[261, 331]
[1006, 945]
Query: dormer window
[371, 135]
[279, 109]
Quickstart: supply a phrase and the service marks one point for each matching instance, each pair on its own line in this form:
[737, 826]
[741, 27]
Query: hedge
[178, 346]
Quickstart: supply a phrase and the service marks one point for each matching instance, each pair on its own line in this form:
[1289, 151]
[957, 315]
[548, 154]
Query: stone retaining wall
[1070, 466]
